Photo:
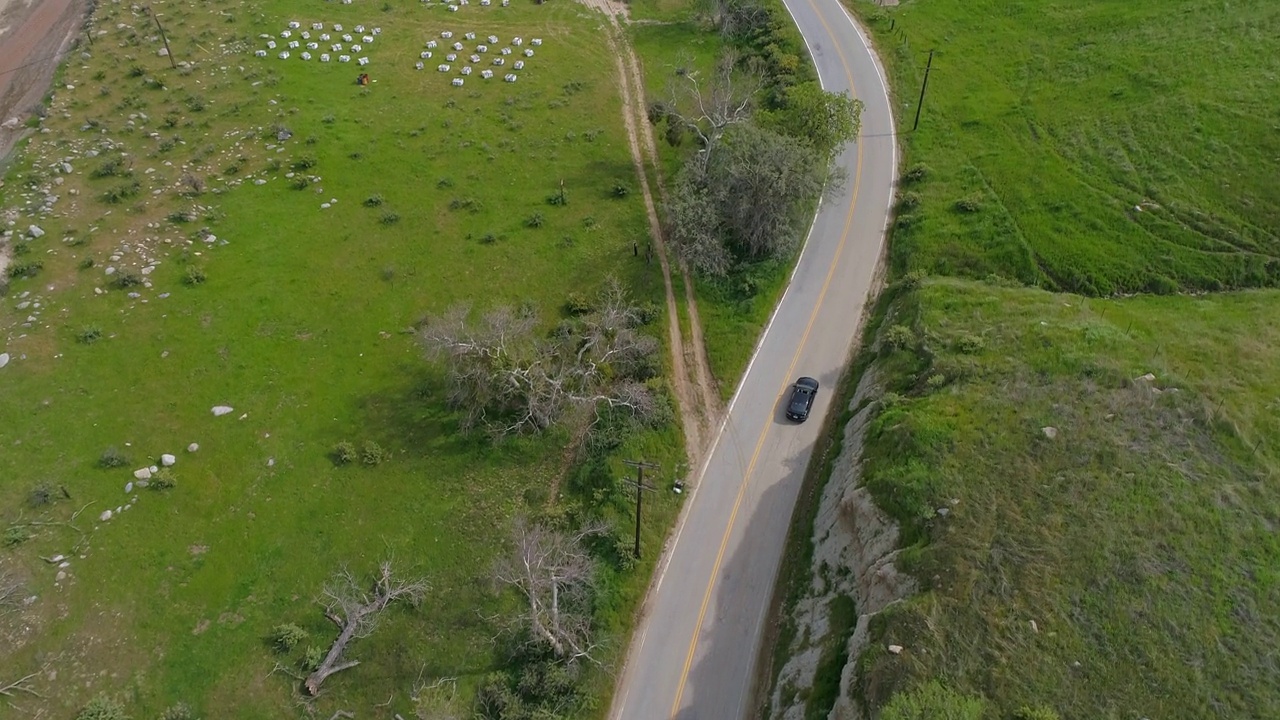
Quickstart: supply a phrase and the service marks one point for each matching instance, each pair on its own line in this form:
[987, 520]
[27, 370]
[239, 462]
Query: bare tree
[707, 107]
[22, 684]
[553, 571]
[355, 611]
[510, 380]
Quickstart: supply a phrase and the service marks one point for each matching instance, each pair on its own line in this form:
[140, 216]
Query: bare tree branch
[356, 611]
[22, 684]
[553, 571]
[511, 381]
[708, 107]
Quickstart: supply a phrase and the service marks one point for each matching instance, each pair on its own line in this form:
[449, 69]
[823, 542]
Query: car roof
[807, 382]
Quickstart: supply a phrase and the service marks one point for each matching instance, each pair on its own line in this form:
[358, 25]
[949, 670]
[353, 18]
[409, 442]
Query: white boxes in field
[260, 53]
[305, 55]
[457, 82]
[446, 34]
[486, 74]
[425, 54]
[466, 70]
[536, 41]
[284, 54]
[519, 65]
[418, 65]
[528, 52]
[493, 39]
[475, 59]
[509, 77]
[442, 68]
[324, 57]
[499, 61]
[294, 24]
[344, 58]
[451, 57]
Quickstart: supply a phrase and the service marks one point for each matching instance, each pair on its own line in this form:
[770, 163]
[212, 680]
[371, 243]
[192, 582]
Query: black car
[801, 402]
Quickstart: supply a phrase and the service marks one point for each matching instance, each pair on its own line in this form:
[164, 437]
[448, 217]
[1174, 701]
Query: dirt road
[34, 35]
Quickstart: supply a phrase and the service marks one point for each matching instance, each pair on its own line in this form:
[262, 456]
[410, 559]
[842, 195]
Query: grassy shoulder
[298, 312]
[1090, 540]
[1092, 147]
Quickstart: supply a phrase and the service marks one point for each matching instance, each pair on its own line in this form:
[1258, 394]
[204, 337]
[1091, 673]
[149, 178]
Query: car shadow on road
[721, 682]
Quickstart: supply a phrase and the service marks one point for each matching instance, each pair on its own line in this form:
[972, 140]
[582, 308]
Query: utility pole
[923, 85]
[168, 53]
[639, 465]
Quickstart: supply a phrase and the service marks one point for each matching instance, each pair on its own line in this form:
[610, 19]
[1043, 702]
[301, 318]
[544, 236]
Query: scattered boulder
[62, 575]
[220, 410]
[895, 649]
[193, 447]
[1146, 378]
[1049, 432]
[35, 231]
[142, 473]
[4, 359]
[168, 460]
[105, 516]
[128, 487]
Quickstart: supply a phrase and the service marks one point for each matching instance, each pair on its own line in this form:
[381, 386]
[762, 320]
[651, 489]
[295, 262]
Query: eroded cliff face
[855, 545]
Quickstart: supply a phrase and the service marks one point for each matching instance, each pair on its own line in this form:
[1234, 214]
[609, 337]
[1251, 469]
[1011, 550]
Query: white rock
[35, 231]
[154, 469]
[4, 359]
[895, 649]
[193, 447]
[168, 460]
[1148, 378]
[105, 516]
[128, 487]
[62, 575]
[142, 473]
[220, 410]
[1049, 432]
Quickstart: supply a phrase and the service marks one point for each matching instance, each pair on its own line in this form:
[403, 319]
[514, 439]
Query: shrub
[913, 279]
[373, 200]
[899, 337]
[620, 189]
[113, 167]
[444, 182]
[306, 162]
[15, 535]
[285, 638]
[312, 658]
[181, 711]
[195, 103]
[577, 304]
[968, 205]
[371, 453]
[89, 335]
[969, 344]
[136, 71]
[163, 479]
[1039, 712]
[42, 494]
[488, 238]
[648, 312]
[27, 269]
[389, 218]
[909, 200]
[302, 182]
[931, 701]
[193, 276]
[558, 198]
[328, 119]
[1161, 285]
[112, 458]
[127, 280]
[102, 708]
[535, 220]
[935, 382]
[470, 204]
[916, 173]
[87, 263]
[344, 453]
[120, 193]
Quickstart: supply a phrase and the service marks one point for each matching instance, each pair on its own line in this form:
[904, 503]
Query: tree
[511, 380]
[355, 610]
[707, 107]
[747, 203]
[553, 571]
[823, 120]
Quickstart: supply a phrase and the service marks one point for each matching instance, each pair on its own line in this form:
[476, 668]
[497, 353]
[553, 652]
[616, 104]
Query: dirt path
[694, 384]
[33, 37]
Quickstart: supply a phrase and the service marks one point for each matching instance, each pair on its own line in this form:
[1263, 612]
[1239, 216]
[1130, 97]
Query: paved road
[694, 654]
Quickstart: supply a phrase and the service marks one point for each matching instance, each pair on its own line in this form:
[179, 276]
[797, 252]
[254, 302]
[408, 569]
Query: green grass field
[301, 324]
[1140, 540]
[1099, 147]
[1125, 566]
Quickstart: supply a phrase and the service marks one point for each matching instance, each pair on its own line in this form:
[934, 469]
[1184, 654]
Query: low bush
[284, 638]
[344, 453]
[371, 453]
[89, 335]
[102, 708]
[112, 458]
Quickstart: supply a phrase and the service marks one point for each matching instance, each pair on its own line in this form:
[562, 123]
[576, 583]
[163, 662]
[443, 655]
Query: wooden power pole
[641, 489]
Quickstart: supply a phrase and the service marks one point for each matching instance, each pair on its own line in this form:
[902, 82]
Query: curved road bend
[693, 655]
